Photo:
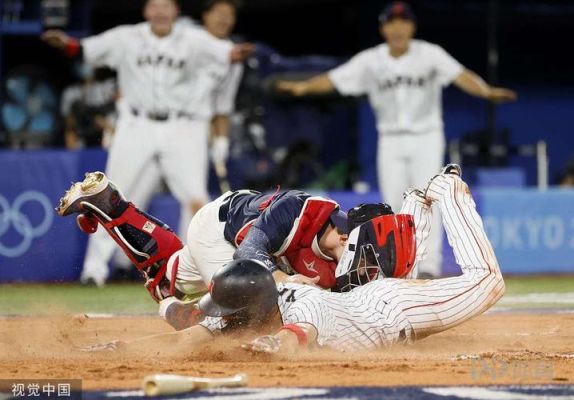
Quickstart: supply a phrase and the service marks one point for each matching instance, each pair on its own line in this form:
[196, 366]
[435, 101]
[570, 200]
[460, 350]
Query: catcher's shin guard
[148, 243]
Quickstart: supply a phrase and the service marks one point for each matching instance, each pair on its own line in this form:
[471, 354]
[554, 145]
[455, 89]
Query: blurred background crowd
[70, 104]
[53, 104]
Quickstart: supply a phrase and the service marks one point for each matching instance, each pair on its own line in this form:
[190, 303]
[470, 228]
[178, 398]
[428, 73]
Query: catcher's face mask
[385, 246]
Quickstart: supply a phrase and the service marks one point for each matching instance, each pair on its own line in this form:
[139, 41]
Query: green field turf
[521, 292]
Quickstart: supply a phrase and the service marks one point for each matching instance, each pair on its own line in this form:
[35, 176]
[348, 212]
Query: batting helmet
[242, 288]
[384, 245]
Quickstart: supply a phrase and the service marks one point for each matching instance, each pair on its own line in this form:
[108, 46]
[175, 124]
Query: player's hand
[116, 345]
[501, 95]
[295, 88]
[56, 38]
[303, 280]
[241, 51]
[220, 149]
[268, 344]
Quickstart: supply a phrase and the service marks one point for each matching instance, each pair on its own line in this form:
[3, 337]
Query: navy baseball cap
[337, 218]
[397, 9]
[340, 220]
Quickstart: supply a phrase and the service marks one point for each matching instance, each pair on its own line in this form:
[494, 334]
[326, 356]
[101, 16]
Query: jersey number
[291, 297]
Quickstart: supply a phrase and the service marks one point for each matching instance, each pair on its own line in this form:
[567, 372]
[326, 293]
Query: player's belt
[161, 116]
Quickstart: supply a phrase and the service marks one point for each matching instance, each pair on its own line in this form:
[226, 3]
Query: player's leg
[141, 195]
[184, 162]
[419, 207]
[206, 240]
[391, 169]
[147, 242]
[128, 156]
[432, 306]
[429, 156]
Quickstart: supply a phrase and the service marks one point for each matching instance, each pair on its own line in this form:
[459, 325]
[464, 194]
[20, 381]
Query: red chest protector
[305, 262]
[300, 248]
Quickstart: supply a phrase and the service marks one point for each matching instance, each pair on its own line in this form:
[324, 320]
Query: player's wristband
[299, 332]
[73, 48]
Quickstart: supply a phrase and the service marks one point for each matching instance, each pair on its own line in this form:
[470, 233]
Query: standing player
[380, 313]
[167, 76]
[403, 79]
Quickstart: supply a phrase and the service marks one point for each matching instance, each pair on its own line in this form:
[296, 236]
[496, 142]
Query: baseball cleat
[453, 169]
[95, 189]
[436, 184]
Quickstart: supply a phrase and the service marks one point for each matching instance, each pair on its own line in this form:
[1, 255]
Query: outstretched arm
[189, 338]
[320, 84]
[62, 41]
[288, 340]
[474, 85]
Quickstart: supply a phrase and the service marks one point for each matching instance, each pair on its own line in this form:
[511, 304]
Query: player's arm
[187, 338]
[224, 105]
[220, 125]
[269, 233]
[349, 79]
[241, 51]
[474, 85]
[104, 49]
[62, 41]
[258, 246]
[320, 84]
[290, 339]
[222, 51]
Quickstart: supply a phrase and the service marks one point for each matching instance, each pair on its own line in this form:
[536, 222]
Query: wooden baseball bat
[162, 384]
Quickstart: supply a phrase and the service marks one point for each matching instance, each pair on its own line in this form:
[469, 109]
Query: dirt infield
[492, 349]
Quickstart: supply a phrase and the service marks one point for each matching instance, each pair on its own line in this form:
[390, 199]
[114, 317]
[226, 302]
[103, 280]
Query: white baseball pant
[205, 250]
[405, 160]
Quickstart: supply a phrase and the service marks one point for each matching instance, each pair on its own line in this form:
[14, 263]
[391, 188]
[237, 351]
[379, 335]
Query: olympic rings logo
[12, 216]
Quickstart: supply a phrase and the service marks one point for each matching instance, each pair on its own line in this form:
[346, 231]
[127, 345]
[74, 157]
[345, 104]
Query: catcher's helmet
[365, 212]
[384, 245]
[242, 288]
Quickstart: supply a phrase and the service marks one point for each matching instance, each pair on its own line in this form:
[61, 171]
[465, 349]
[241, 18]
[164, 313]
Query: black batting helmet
[242, 288]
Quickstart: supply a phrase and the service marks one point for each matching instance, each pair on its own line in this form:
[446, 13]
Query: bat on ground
[161, 384]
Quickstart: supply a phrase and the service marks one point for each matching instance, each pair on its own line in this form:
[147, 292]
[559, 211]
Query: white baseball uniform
[167, 86]
[405, 94]
[387, 311]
